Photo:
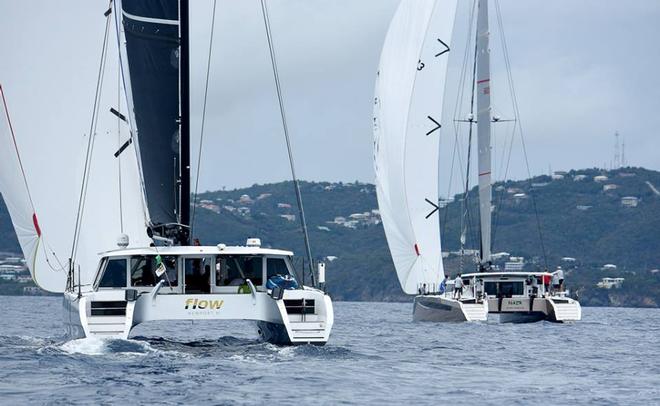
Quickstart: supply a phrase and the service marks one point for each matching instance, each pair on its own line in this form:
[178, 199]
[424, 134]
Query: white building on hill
[629, 201]
[514, 264]
[609, 283]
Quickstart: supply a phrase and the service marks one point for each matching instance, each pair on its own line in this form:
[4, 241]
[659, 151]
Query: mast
[184, 143]
[483, 131]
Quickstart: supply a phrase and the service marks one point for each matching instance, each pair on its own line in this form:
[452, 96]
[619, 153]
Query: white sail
[40, 177]
[407, 127]
[483, 128]
[16, 195]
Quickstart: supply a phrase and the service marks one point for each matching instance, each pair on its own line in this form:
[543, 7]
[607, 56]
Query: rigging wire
[201, 132]
[465, 225]
[132, 128]
[91, 139]
[296, 185]
[457, 152]
[121, 206]
[507, 63]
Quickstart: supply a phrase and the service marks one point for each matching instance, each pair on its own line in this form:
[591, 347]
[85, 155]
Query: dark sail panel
[152, 45]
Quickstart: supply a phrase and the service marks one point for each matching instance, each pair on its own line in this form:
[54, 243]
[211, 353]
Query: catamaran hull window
[114, 275]
[148, 270]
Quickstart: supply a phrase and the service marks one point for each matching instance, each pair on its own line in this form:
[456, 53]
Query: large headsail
[483, 129]
[16, 194]
[157, 77]
[40, 190]
[407, 126]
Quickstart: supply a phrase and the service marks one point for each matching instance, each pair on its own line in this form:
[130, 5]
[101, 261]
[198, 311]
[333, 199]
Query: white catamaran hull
[526, 310]
[437, 308]
[303, 315]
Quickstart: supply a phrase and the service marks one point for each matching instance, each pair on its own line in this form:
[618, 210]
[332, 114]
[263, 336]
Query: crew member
[458, 287]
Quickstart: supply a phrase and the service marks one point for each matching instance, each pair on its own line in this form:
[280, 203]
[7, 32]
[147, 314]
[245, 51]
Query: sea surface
[376, 355]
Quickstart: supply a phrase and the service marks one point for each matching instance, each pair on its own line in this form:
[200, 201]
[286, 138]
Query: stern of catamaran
[135, 286]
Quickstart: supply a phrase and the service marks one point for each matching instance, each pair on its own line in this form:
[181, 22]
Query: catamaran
[122, 254]
[408, 124]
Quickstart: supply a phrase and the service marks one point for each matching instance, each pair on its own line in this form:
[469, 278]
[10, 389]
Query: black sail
[152, 31]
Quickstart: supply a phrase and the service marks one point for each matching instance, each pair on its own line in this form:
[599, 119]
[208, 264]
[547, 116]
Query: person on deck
[546, 281]
[443, 286]
[560, 276]
[458, 287]
[555, 282]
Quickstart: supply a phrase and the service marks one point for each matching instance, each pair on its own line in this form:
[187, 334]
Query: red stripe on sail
[416, 249]
[483, 81]
[36, 224]
[484, 174]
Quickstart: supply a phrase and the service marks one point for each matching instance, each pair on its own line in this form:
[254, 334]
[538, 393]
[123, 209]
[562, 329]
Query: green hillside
[577, 219]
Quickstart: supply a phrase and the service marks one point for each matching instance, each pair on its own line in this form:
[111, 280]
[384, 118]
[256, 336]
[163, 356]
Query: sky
[582, 70]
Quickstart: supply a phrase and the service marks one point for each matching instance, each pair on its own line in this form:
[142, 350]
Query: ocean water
[376, 355]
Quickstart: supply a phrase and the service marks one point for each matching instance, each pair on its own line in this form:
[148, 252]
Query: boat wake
[100, 346]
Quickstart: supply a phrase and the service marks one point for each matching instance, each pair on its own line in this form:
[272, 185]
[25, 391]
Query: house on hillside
[209, 205]
[24, 278]
[264, 196]
[518, 197]
[245, 199]
[609, 283]
[627, 174]
[583, 207]
[514, 264]
[500, 256]
[283, 206]
[608, 187]
[600, 178]
[288, 217]
[243, 211]
[629, 201]
[31, 290]
[339, 220]
[579, 178]
[608, 267]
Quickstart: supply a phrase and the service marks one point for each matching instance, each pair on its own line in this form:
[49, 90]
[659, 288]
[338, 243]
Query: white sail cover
[407, 127]
[40, 178]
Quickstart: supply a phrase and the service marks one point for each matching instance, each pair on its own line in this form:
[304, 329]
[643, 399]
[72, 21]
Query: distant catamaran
[407, 125]
[136, 194]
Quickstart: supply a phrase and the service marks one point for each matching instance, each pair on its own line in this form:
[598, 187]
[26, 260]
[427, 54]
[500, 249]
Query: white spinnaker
[407, 115]
[16, 195]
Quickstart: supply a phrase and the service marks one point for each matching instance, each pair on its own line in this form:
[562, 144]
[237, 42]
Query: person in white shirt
[560, 276]
[555, 281]
[458, 287]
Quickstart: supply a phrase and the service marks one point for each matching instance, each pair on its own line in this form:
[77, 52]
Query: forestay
[407, 127]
